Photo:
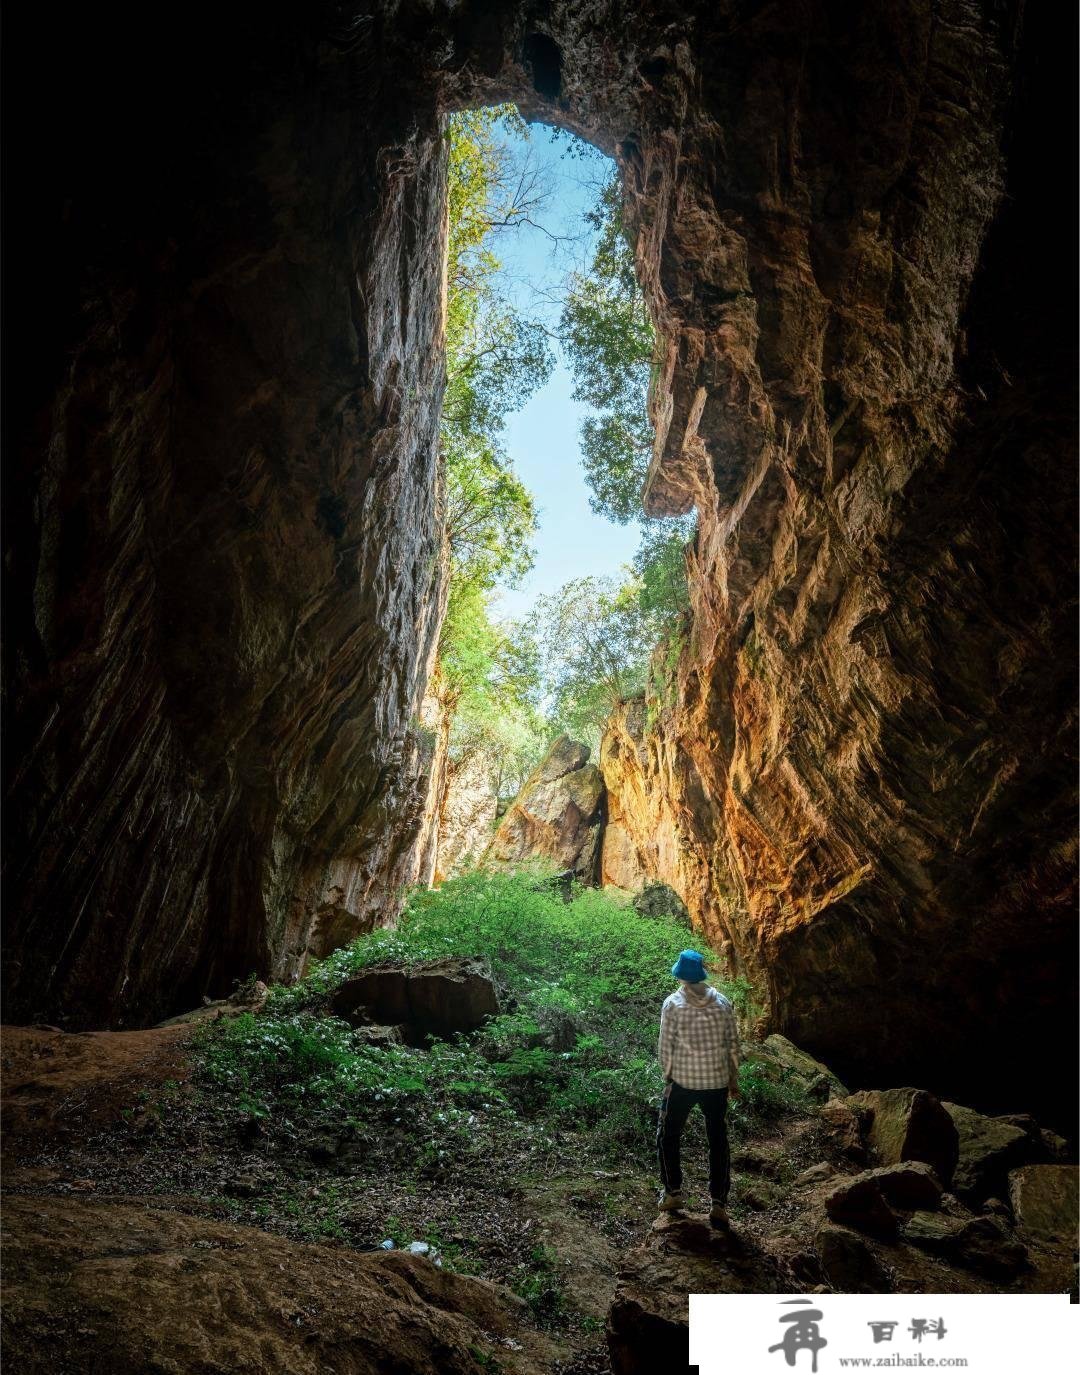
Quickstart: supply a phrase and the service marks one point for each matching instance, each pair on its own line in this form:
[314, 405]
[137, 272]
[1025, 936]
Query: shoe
[718, 1216]
[672, 1203]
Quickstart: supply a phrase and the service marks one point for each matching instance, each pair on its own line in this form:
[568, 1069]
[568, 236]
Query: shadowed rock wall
[222, 534]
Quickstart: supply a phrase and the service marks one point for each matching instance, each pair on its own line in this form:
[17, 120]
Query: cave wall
[224, 568]
[868, 759]
[221, 526]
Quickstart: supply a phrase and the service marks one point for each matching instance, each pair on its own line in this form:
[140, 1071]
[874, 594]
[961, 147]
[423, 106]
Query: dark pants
[675, 1107]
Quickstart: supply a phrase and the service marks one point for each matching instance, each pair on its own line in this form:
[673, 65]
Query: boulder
[1044, 1201]
[441, 998]
[648, 1322]
[1055, 1148]
[859, 1202]
[989, 1147]
[911, 1184]
[933, 1231]
[800, 1063]
[843, 1129]
[986, 1246]
[909, 1124]
[848, 1264]
[982, 1244]
[661, 900]
[762, 1160]
[558, 815]
[124, 1287]
[816, 1174]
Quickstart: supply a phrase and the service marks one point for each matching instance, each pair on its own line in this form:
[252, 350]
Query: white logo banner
[824, 1334]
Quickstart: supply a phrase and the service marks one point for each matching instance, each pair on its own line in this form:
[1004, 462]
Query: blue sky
[542, 438]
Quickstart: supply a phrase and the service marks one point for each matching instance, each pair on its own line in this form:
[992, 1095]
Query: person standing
[699, 1057]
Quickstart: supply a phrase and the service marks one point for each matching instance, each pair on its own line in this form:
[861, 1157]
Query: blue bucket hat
[690, 966]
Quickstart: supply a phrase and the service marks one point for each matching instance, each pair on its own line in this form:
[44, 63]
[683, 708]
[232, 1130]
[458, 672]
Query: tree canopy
[608, 335]
[586, 647]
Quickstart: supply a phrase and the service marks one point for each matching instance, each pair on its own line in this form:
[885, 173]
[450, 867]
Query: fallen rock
[816, 1174]
[757, 1160]
[648, 1322]
[848, 1263]
[1044, 1201]
[982, 1244]
[558, 815]
[440, 999]
[805, 1066]
[911, 1184]
[1055, 1148]
[986, 1246]
[989, 1147]
[909, 1124]
[125, 1288]
[932, 1231]
[843, 1129]
[859, 1202]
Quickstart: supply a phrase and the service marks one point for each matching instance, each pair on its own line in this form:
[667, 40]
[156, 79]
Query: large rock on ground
[866, 1200]
[982, 1244]
[127, 1289]
[909, 1124]
[440, 998]
[648, 1323]
[848, 1264]
[558, 815]
[1044, 1201]
[804, 1065]
[989, 1147]
[660, 900]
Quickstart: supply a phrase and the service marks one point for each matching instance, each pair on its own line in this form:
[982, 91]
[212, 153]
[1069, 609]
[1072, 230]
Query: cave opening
[269, 416]
[223, 537]
[561, 588]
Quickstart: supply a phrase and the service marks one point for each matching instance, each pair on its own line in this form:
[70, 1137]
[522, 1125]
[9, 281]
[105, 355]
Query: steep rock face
[222, 531]
[558, 815]
[223, 553]
[866, 764]
[467, 815]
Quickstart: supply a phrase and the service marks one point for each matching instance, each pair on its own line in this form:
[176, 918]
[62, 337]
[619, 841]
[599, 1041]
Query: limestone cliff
[864, 769]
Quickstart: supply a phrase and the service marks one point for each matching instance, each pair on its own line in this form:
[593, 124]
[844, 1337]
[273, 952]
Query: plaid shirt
[699, 1041]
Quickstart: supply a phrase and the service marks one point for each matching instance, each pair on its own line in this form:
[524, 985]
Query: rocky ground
[127, 1205]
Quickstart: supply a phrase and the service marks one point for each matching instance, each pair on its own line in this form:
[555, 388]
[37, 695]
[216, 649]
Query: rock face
[557, 816]
[989, 1148]
[223, 554]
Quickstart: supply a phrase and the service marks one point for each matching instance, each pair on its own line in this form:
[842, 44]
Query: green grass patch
[574, 1050]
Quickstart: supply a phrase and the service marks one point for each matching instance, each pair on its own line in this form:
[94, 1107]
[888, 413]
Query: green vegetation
[572, 1056]
[610, 343]
[495, 359]
[510, 689]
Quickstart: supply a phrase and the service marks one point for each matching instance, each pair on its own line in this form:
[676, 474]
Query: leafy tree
[609, 339]
[495, 357]
[594, 639]
[489, 679]
[610, 342]
[660, 565]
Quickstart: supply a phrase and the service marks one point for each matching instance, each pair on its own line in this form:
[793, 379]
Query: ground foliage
[573, 1051]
